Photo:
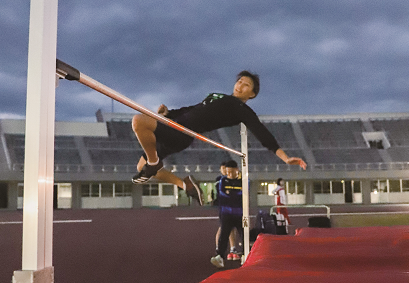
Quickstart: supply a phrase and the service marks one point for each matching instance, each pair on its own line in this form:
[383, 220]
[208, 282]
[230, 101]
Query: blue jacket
[230, 196]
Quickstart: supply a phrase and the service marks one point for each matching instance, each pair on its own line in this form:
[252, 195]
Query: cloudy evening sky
[313, 56]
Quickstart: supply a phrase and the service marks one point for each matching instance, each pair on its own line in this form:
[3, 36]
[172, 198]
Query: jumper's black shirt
[219, 111]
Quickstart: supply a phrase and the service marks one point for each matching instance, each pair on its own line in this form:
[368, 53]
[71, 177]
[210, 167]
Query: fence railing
[198, 168]
[380, 166]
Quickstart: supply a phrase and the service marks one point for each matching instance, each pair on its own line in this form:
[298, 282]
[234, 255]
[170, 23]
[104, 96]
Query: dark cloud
[313, 56]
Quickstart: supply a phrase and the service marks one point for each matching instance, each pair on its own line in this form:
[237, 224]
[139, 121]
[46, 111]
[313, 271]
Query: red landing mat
[318, 255]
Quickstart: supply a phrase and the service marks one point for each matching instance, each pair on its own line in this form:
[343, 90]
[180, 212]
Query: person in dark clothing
[230, 210]
[232, 238]
[223, 173]
[215, 111]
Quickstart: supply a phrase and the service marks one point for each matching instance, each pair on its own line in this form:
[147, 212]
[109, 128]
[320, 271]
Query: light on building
[271, 188]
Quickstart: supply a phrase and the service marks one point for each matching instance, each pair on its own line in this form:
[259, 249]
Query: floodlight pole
[245, 192]
[39, 146]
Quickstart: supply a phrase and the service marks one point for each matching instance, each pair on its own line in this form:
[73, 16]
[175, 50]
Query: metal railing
[198, 168]
[304, 206]
[379, 166]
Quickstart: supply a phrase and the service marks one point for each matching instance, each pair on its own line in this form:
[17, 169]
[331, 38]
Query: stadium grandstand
[354, 158]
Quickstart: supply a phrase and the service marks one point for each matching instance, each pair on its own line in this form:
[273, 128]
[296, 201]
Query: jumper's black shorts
[169, 141]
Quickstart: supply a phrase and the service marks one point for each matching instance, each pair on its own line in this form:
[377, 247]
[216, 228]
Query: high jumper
[179, 127]
[215, 111]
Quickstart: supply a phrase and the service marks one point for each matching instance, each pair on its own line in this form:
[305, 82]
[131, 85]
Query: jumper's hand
[163, 110]
[297, 161]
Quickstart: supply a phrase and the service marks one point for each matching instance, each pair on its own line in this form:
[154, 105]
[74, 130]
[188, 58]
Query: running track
[143, 245]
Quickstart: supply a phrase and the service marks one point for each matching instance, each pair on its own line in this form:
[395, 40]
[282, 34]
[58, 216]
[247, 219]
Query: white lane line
[73, 221]
[352, 213]
[303, 215]
[198, 218]
[369, 213]
[11, 222]
[201, 218]
[55, 221]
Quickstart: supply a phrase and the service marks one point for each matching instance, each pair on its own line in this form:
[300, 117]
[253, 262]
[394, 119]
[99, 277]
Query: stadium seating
[351, 155]
[393, 128]
[331, 143]
[333, 133]
[283, 131]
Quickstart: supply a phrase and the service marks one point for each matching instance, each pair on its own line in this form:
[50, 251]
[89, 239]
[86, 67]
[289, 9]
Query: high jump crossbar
[68, 72]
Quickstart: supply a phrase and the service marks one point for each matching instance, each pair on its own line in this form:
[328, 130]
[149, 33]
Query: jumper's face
[281, 183]
[232, 173]
[243, 89]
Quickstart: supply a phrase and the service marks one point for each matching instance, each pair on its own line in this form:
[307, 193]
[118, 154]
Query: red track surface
[143, 245]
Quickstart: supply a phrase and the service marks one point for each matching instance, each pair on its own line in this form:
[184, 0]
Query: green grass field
[369, 220]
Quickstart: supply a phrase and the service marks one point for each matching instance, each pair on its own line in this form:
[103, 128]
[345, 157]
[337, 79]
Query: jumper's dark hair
[279, 180]
[254, 77]
[223, 164]
[231, 164]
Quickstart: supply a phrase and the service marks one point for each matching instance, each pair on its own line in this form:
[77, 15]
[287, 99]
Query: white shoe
[217, 261]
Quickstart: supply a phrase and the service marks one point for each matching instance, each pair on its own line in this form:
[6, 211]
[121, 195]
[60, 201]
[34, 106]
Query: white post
[245, 188]
[39, 145]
